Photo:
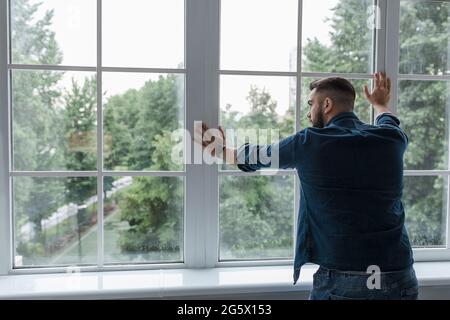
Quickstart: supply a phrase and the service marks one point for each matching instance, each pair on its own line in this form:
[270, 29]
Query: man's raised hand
[381, 94]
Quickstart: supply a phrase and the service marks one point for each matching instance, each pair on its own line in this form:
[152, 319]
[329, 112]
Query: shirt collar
[340, 116]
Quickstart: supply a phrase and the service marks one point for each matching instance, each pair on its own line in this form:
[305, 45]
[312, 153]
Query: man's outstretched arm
[280, 155]
[252, 157]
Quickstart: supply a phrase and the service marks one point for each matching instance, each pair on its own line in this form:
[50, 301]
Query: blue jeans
[346, 285]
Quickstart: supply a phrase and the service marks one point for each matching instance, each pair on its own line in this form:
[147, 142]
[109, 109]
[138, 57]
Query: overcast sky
[255, 35]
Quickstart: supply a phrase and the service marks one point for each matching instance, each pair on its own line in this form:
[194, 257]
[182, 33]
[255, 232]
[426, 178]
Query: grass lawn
[113, 254]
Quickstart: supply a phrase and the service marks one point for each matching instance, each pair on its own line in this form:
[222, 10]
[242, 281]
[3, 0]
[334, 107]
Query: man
[351, 217]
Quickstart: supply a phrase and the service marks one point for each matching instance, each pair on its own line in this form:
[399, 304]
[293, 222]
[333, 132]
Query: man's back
[351, 214]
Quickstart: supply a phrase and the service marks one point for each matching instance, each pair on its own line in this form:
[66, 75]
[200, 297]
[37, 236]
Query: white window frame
[202, 72]
[392, 60]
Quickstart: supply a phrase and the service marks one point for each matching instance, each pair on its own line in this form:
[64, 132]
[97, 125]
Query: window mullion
[298, 115]
[5, 198]
[100, 226]
[379, 46]
[212, 116]
[380, 35]
[201, 205]
[42, 67]
[392, 52]
[447, 238]
[447, 234]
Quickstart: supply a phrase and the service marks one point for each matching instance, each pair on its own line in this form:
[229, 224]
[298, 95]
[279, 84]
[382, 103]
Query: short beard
[319, 121]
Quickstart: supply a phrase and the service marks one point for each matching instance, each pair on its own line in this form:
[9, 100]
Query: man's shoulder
[328, 131]
[361, 130]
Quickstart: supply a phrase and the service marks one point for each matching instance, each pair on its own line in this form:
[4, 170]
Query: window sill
[180, 283]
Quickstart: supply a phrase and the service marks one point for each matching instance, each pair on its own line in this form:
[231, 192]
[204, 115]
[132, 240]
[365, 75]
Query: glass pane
[54, 121]
[259, 35]
[258, 102]
[55, 221]
[423, 110]
[141, 112]
[337, 36]
[256, 217]
[144, 219]
[54, 32]
[142, 33]
[424, 37]
[425, 201]
[249, 102]
[362, 108]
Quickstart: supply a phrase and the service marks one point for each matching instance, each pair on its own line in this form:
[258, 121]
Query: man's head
[328, 98]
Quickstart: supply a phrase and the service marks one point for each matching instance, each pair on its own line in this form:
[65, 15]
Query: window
[91, 92]
[92, 111]
[423, 106]
[261, 74]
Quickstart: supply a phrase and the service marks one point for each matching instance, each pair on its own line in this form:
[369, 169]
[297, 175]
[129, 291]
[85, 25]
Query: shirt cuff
[383, 113]
[240, 157]
[247, 154]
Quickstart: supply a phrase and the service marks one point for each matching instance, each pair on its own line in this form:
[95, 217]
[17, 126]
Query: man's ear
[328, 105]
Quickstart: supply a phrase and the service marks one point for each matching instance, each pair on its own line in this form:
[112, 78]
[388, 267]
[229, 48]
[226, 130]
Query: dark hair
[340, 90]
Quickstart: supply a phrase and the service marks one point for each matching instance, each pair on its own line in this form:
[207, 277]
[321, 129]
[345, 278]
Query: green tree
[81, 148]
[424, 111]
[36, 134]
[120, 117]
[138, 126]
[256, 219]
[351, 41]
[80, 116]
[159, 111]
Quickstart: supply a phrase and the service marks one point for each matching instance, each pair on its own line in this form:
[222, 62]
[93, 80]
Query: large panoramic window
[93, 91]
[92, 112]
